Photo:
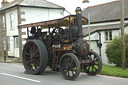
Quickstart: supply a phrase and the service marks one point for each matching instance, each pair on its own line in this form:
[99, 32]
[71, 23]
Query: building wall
[39, 14]
[2, 33]
[95, 36]
[11, 32]
[93, 44]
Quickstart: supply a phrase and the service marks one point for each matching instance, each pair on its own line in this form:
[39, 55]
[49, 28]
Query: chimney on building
[4, 3]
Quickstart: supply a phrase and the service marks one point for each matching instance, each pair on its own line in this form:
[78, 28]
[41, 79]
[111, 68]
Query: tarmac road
[13, 74]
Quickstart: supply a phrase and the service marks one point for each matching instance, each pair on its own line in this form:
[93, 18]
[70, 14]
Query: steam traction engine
[59, 44]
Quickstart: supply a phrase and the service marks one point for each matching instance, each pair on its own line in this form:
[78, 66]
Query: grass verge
[114, 71]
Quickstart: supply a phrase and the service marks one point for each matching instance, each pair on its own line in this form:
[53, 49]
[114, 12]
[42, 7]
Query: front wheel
[69, 66]
[95, 66]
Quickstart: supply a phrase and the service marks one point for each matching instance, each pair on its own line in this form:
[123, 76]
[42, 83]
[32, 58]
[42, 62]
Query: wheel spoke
[31, 51]
[29, 62]
[96, 64]
[38, 56]
[64, 68]
[67, 60]
[34, 48]
[89, 68]
[71, 61]
[73, 72]
[95, 59]
[27, 53]
[35, 65]
[29, 46]
[36, 51]
[93, 68]
[68, 73]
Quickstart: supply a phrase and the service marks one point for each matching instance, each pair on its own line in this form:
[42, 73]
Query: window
[3, 22]
[16, 42]
[4, 43]
[12, 21]
[9, 47]
[108, 35]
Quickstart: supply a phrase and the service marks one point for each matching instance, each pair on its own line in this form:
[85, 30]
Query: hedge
[113, 50]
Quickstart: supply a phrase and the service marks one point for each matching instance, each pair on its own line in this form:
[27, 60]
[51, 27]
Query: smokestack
[79, 21]
[4, 3]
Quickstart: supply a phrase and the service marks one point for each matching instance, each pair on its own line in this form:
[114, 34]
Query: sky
[70, 5]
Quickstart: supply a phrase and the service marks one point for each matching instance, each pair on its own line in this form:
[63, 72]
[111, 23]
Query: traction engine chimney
[79, 22]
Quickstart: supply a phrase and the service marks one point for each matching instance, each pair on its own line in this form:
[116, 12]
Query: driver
[38, 33]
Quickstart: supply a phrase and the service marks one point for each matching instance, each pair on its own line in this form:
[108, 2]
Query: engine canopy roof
[65, 21]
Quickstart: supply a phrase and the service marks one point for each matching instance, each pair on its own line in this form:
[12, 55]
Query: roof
[106, 12]
[54, 23]
[97, 29]
[32, 3]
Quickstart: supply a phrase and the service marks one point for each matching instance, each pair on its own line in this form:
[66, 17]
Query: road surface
[13, 74]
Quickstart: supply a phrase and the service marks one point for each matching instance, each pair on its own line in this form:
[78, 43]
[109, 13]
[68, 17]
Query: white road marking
[20, 77]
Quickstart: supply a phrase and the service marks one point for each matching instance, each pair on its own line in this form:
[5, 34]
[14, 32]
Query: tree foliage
[113, 50]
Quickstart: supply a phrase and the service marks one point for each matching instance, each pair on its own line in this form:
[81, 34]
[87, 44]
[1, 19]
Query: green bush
[113, 50]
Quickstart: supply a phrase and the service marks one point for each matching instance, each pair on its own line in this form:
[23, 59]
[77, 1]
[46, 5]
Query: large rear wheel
[69, 66]
[35, 56]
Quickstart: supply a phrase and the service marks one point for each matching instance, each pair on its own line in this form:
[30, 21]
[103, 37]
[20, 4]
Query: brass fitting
[78, 10]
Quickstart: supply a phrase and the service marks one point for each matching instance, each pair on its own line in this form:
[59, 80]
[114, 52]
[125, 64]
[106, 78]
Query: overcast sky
[70, 5]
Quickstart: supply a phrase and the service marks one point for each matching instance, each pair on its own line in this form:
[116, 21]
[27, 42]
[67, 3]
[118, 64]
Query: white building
[22, 12]
[105, 25]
